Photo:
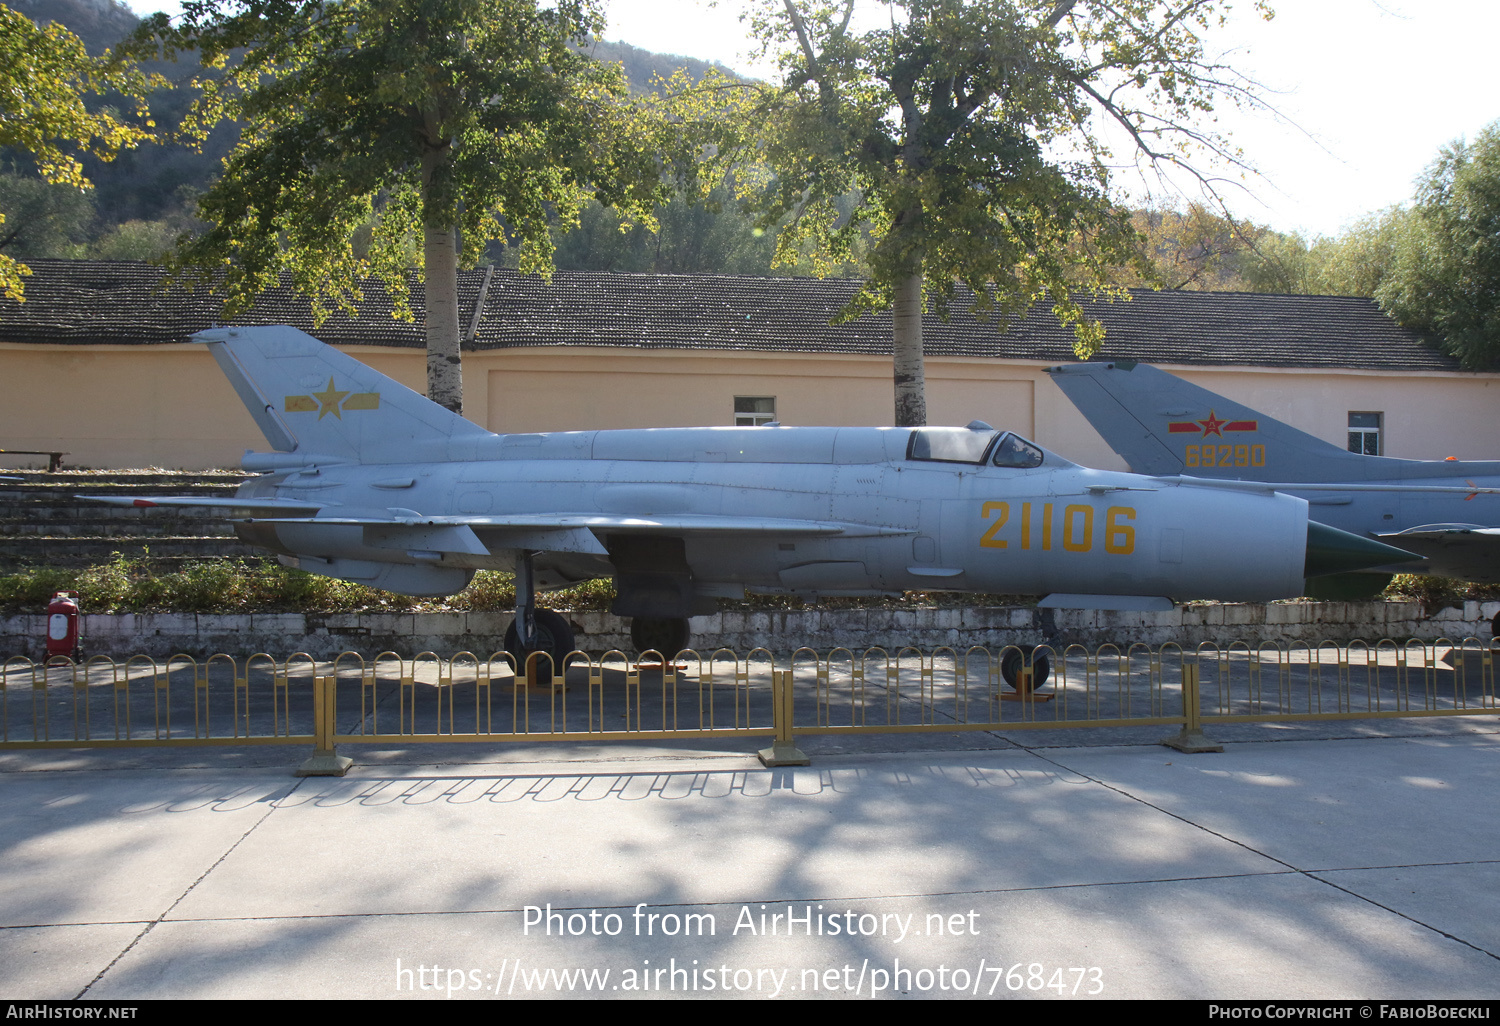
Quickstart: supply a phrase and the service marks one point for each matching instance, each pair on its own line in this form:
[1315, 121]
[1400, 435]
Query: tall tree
[45, 72]
[1197, 249]
[456, 121]
[1443, 276]
[1356, 261]
[972, 130]
[42, 219]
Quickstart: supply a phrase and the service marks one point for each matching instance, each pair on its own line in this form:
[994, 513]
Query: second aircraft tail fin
[1160, 424]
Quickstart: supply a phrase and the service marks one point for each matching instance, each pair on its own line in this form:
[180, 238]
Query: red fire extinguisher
[62, 624]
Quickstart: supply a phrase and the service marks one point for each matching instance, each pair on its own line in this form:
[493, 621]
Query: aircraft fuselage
[873, 519]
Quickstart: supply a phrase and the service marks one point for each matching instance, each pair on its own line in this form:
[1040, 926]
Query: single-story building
[96, 362]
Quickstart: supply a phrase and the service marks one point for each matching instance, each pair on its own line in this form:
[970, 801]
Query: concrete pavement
[1362, 864]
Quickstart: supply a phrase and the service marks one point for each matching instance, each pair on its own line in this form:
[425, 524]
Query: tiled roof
[98, 302]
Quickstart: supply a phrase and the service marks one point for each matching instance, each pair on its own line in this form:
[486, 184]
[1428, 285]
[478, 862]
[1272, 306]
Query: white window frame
[1362, 434]
[753, 417]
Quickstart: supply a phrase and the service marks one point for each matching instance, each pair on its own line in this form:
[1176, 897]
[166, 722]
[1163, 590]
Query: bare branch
[1061, 11]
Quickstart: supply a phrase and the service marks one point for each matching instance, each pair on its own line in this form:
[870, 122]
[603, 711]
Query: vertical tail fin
[307, 397]
[1160, 424]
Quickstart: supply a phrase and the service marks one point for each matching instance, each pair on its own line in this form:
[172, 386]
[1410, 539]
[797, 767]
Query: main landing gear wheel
[1014, 662]
[554, 635]
[665, 634]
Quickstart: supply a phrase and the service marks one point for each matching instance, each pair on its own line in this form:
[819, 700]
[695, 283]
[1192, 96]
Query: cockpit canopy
[976, 444]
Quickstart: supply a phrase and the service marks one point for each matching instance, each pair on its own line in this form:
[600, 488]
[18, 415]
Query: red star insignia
[1212, 425]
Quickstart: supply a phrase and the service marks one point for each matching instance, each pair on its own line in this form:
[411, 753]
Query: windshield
[1017, 453]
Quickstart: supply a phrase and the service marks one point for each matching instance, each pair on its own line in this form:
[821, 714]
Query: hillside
[99, 23]
[145, 198]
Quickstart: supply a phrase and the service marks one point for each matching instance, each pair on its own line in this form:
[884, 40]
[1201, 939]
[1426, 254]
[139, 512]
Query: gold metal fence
[389, 698]
[103, 703]
[976, 688]
[613, 697]
[1359, 680]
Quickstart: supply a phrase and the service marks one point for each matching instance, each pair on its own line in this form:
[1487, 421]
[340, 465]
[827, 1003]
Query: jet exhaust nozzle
[1331, 551]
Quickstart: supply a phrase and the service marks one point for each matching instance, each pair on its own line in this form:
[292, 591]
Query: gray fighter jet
[371, 482]
[1445, 510]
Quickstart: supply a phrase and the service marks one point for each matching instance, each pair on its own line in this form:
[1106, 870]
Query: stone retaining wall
[781, 631]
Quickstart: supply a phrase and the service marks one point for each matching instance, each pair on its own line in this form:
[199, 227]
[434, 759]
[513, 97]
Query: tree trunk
[445, 377]
[445, 382]
[911, 385]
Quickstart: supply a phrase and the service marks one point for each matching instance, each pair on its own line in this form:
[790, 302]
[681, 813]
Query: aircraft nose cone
[1331, 551]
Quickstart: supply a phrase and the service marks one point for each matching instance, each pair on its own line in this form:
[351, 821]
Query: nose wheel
[1013, 663]
[535, 630]
[553, 635]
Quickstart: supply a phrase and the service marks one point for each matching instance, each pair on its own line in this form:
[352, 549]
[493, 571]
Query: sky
[1367, 92]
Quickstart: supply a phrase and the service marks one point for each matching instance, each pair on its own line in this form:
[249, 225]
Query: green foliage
[1444, 276]
[969, 131]
[1355, 263]
[145, 199]
[1195, 249]
[1280, 263]
[645, 71]
[1434, 266]
[402, 116]
[1352, 264]
[1201, 249]
[1436, 593]
[43, 219]
[127, 585]
[690, 238]
[44, 74]
[139, 585]
[950, 123]
[136, 240]
[711, 235]
[136, 585]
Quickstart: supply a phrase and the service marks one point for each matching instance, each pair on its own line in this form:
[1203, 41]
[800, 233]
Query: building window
[1364, 433]
[754, 410]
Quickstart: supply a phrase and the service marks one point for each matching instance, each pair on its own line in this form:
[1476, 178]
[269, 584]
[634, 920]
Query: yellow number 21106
[1075, 527]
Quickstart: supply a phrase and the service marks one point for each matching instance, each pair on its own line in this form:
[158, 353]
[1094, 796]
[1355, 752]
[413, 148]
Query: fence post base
[782, 753]
[326, 760]
[783, 750]
[325, 764]
[1191, 738]
[1192, 742]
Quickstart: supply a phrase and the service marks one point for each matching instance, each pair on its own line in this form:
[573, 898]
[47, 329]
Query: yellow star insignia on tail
[328, 401]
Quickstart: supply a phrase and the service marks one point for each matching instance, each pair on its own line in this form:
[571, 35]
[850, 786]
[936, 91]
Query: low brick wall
[781, 631]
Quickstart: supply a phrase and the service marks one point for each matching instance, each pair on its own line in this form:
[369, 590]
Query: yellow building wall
[1424, 416]
[169, 406]
[578, 389]
[163, 406]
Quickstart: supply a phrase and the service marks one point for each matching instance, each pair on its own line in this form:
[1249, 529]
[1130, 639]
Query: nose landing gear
[536, 630]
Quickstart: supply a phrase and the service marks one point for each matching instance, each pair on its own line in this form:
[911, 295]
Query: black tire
[1014, 661]
[554, 635]
[666, 634]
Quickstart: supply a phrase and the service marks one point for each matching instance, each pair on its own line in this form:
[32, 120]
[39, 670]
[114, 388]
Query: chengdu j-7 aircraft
[1445, 510]
[371, 482]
